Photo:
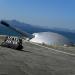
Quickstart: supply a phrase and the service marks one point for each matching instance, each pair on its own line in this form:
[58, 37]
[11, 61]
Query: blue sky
[45, 13]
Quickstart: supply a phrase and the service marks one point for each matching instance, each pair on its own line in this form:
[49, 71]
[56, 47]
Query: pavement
[35, 59]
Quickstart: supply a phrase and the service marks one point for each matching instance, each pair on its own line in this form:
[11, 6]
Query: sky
[45, 13]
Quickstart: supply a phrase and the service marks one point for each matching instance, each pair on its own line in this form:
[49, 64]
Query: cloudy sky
[45, 13]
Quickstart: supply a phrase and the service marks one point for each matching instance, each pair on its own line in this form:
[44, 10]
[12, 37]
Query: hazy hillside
[32, 29]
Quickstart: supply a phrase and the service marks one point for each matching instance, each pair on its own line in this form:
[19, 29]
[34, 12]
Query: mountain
[33, 29]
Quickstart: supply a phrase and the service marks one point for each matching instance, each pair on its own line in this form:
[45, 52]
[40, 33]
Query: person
[20, 41]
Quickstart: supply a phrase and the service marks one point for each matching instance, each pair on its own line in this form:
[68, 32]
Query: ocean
[6, 31]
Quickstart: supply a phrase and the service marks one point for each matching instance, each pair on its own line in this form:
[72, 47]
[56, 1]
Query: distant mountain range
[33, 29]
